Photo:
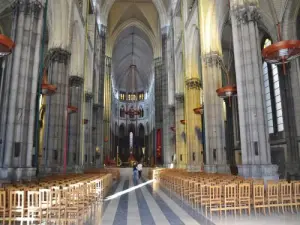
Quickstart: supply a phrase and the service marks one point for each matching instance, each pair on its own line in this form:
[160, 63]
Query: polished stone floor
[149, 205]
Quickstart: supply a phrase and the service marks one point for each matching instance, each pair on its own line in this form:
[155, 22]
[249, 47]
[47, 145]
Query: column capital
[246, 12]
[88, 96]
[103, 30]
[179, 97]
[98, 106]
[75, 81]
[193, 83]
[57, 54]
[171, 107]
[165, 30]
[27, 7]
[212, 59]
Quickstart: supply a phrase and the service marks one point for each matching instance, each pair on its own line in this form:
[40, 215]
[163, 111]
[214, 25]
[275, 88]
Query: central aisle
[147, 206]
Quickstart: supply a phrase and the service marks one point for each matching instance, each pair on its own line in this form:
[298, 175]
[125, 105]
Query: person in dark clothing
[135, 174]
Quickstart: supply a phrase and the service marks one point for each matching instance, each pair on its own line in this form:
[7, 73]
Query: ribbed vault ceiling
[132, 40]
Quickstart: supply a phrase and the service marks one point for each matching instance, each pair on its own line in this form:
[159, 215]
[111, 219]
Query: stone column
[255, 145]
[180, 131]
[101, 92]
[56, 106]
[107, 106]
[214, 120]
[193, 125]
[88, 129]
[167, 83]
[75, 120]
[230, 156]
[18, 101]
[158, 100]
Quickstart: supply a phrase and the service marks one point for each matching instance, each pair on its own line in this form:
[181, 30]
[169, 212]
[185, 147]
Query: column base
[217, 168]
[169, 165]
[193, 168]
[210, 168]
[266, 171]
[223, 168]
[17, 174]
[292, 171]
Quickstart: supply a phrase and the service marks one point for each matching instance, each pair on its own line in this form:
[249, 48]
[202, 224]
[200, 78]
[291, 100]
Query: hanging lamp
[199, 110]
[228, 90]
[72, 109]
[183, 122]
[281, 52]
[6, 45]
[47, 89]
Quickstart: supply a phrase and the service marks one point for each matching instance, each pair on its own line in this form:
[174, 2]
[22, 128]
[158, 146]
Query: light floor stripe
[110, 212]
[158, 215]
[133, 216]
[186, 218]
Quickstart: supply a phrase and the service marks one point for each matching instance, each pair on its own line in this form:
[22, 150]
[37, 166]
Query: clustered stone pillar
[107, 107]
[180, 131]
[88, 124]
[168, 116]
[18, 97]
[75, 99]
[214, 119]
[56, 107]
[193, 125]
[255, 145]
[158, 99]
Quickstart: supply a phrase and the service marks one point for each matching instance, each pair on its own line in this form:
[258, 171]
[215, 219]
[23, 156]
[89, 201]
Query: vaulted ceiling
[129, 37]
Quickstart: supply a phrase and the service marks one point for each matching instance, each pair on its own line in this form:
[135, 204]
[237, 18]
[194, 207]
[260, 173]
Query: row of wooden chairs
[52, 200]
[223, 192]
[115, 172]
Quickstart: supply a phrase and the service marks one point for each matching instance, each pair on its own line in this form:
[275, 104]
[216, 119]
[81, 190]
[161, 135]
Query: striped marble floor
[150, 205]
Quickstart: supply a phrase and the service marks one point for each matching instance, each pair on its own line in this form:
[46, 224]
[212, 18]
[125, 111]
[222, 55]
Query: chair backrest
[16, 200]
[2, 199]
[215, 192]
[244, 190]
[33, 199]
[272, 190]
[230, 191]
[258, 191]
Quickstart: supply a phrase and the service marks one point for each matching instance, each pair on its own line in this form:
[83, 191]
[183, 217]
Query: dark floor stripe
[167, 211]
[145, 214]
[122, 210]
[193, 213]
[111, 192]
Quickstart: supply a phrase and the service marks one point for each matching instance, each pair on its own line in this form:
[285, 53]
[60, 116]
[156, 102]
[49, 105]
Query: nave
[153, 205]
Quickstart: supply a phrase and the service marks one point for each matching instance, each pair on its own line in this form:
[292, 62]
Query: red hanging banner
[158, 143]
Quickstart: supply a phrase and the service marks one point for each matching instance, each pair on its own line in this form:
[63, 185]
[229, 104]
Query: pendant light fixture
[6, 45]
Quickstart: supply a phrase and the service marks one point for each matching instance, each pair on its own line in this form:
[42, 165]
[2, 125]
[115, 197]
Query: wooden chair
[259, 197]
[230, 198]
[286, 196]
[244, 198]
[33, 207]
[215, 199]
[3, 209]
[272, 196]
[16, 207]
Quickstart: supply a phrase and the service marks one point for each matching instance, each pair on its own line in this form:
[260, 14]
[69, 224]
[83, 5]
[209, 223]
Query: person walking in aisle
[140, 169]
[135, 174]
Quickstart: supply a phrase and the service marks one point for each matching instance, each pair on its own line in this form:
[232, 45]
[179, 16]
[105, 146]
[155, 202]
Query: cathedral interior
[202, 93]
